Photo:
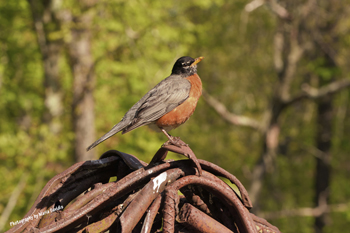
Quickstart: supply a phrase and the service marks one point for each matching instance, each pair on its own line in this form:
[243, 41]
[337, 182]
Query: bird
[167, 105]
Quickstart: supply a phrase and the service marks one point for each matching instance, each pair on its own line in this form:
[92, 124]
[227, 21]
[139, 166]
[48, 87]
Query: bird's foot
[176, 141]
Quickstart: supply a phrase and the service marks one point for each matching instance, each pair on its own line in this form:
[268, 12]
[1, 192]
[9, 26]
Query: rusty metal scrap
[168, 196]
[195, 219]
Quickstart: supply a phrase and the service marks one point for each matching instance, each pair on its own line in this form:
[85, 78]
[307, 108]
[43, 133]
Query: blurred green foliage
[135, 44]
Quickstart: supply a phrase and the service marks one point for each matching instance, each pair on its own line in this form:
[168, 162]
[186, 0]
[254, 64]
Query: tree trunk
[46, 23]
[265, 164]
[81, 63]
[323, 144]
[323, 168]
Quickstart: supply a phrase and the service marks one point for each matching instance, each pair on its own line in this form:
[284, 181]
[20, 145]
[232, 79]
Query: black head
[186, 66]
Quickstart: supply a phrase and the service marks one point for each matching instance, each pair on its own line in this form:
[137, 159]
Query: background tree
[310, 30]
[46, 26]
[81, 64]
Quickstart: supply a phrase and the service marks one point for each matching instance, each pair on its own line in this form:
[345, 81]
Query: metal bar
[142, 201]
[196, 219]
[216, 170]
[151, 215]
[244, 221]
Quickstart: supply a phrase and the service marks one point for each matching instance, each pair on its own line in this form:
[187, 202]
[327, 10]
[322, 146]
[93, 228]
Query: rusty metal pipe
[122, 187]
[196, 219]
[184, 150]
[44, 199]
[121, 205]
[218, 189]
[137, 208]
[216, 170]
[151, 215]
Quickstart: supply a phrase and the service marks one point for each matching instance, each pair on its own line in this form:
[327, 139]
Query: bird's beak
[197, 60]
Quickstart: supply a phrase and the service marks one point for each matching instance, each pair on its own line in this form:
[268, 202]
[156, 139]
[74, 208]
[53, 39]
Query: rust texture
[195, 219]
[169, 196]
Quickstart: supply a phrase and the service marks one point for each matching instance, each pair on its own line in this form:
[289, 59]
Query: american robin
[166, 106]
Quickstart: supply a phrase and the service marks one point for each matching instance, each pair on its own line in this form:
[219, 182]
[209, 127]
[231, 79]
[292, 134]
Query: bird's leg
[176, 141]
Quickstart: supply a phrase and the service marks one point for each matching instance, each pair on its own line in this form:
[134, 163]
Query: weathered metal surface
[184, 150]
[190, 194]
[263, 226]
[144, 198]
[130, 160]
[236, 207]
[142, 201]
[57, 185]
[151, 214]
[199, 221]
[218, 171]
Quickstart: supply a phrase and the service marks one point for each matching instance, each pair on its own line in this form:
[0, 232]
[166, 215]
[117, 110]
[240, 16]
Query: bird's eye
[186, 63]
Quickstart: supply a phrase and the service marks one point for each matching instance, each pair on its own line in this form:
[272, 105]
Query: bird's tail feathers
[118, 127]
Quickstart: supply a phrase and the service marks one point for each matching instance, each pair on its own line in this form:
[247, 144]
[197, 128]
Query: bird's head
[186, 66]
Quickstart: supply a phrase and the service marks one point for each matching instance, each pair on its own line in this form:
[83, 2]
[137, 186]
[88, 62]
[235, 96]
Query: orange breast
[182, 113]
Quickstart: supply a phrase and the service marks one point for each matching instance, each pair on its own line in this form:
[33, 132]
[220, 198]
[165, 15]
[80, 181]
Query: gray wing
[163, 98]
